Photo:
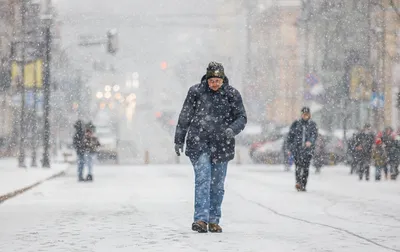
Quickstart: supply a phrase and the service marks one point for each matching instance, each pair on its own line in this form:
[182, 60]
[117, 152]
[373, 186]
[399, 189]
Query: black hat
[215, 70]
[305, 110]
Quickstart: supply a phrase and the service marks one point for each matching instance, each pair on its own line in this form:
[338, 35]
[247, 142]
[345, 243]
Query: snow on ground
[13, 178]
[149, 208]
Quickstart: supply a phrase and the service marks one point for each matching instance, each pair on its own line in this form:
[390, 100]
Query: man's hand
[229, 133]
[178, 149]
[308, 144]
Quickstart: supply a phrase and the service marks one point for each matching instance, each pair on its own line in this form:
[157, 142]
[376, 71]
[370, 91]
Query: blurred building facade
[8, 23]
[338, 57]
[13, 54]
[276, 61]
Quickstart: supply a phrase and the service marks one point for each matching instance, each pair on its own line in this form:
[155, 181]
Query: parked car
[268, 150]
[250, 134]
[108, 140]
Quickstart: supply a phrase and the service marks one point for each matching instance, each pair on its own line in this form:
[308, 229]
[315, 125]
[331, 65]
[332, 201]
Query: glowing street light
[107, 95]
[107, 88]
[116, 88]
[99, 95]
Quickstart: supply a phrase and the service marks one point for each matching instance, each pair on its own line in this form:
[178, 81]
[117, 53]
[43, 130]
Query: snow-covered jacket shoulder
[295, 136]
[205, 116]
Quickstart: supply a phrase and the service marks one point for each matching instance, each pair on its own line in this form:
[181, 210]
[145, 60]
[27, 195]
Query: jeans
[302, 175]
[302, 163]
[378, 169]
[81, 164]
[364, 169]
[209, 189]
[89, 162]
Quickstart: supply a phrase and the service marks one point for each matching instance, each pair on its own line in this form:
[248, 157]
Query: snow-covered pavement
[149, 208]
[14, 179]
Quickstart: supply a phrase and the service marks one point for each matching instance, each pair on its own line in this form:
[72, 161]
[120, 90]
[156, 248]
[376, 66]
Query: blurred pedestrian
[301, 140]
[352, 154]
[380, 159]
[287, 156]
[319, 153]
[212, 114]
[79, 145]
[363, 149]
[392, 148]
[91, 147]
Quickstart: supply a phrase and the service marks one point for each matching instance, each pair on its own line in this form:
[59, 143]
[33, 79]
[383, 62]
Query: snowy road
[149, 208]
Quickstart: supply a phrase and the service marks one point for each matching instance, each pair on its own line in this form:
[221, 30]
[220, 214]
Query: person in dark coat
[301, 139]
[287, 157]
[319, 153]
[211, 116]
[363, 150]
[352, 154]
[79, 145]
[91, 147]
[393, 151]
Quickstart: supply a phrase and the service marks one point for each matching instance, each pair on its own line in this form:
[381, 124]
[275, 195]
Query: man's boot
[199, 226]
[214, 228]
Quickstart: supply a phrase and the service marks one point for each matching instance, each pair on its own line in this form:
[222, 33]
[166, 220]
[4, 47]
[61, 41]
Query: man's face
[215, 83]
[306, 116]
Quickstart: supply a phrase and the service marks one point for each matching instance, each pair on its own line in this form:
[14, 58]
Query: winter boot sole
[198, 228]
[89, 178]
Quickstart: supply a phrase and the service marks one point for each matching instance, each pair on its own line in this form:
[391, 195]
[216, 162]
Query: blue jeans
[81, 164]
[89, 162]
[209, 189]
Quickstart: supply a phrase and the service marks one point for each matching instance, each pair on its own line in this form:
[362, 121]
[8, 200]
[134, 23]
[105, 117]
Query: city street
[149, 208]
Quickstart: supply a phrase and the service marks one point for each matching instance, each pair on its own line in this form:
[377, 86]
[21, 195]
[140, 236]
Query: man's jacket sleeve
[185, 117]
[239, 113]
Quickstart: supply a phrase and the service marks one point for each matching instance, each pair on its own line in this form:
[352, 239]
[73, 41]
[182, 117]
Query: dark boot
[214, 228]
[89, 177]
[199, 226]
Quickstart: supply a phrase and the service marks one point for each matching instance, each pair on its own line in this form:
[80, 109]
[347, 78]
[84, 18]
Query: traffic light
[112, 42]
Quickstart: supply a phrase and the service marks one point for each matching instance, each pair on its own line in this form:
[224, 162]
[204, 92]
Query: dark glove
[229, 133]
[178, 149]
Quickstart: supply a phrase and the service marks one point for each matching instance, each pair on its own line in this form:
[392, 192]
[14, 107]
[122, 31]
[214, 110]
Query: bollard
[146, 157]
[238, 161]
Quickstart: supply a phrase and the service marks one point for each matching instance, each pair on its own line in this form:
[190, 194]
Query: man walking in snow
[301, 140]
[212, 114]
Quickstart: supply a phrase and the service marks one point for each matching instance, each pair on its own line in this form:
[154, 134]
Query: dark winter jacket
[205, 116]
[79, 138]
[392, 147]
[91, 144]
[301, 132]
[363, 146]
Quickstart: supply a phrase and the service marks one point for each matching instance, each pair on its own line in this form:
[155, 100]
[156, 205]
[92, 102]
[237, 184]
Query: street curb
[20, 191]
